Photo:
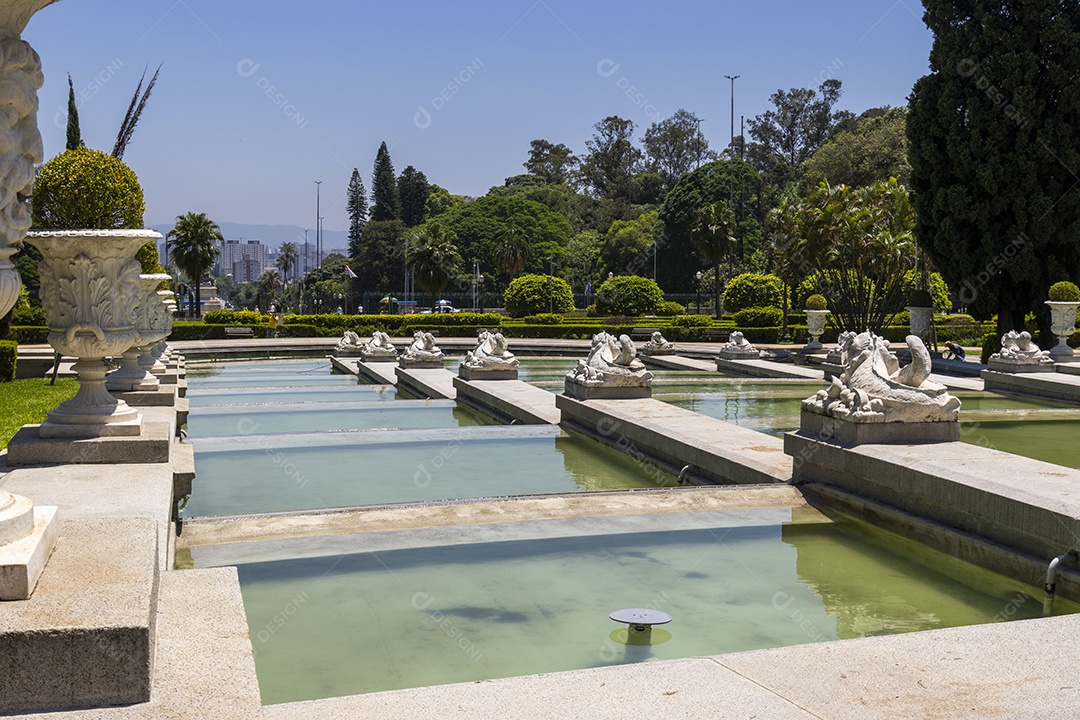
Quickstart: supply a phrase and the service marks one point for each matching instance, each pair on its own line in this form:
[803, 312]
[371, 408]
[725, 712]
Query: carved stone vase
[131, 375]
[90, 291]
[1062, 324]
[159, 323]
[815, 326]
[919, 321]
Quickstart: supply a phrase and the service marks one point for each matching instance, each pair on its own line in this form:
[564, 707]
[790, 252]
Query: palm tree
[512, 251]
[713, 236]
[193, 242]
[286, 260]
[433, 257]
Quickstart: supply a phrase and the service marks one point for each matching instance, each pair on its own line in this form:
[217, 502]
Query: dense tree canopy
[872, 151]
[612, 158]
[413, 191]
[385, 197]
[480, 223]
[357, 207]
[552, 164]
[675, 146]
[994, 135]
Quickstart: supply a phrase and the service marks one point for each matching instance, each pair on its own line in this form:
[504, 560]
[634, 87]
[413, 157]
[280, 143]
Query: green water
[365, 622]
[251, 474]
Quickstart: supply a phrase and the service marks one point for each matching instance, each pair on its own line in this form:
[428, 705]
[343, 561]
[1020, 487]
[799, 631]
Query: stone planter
[133, 375]
[160, 324]
[90, 291]
[1062, 323]
[920, 321]
[815, 322]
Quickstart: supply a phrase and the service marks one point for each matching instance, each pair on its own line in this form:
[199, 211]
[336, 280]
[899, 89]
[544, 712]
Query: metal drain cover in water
[639, 623]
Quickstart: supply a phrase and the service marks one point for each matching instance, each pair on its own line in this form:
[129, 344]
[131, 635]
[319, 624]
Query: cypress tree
[994, 145]
[74, 135]
[413, 189]
[385, 200]
[358, 211]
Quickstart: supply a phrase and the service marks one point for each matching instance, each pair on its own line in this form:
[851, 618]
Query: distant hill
[274, 235]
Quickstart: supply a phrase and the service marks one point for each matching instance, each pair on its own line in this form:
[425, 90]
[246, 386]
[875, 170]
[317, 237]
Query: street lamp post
[551, 284]
[731, 175]
[318, 224]
[698, 276]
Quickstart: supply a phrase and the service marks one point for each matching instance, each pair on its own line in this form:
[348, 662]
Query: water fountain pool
[410, 608]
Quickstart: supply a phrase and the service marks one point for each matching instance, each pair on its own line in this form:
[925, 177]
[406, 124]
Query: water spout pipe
[1051, 578]
[682, 474]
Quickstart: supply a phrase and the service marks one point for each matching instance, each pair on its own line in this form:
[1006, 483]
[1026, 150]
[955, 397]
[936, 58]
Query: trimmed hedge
[29, 316]
[533, 294]
[544, 319]
[9, 355]
[232, 317]
[25, 335]
[629, 295]
[759, 317]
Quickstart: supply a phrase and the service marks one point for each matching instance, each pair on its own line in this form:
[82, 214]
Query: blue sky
[257, 100]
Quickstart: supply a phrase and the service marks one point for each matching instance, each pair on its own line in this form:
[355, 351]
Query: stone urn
[132, 375]
[919, 321]
[160, 322]
[815, 326]
[90, 291]
[168, 303]
[1062, 324]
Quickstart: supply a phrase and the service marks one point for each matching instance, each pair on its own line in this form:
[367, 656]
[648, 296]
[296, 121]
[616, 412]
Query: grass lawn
[29, 401]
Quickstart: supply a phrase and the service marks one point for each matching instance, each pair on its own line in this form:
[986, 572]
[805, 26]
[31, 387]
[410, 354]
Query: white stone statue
[422, 352]
[1020, 349]
[874, 389]
[739, 348]
[657, 345]
[20, 147]
[378, 348]
[612, 362]
[349, 344]
[490, 353]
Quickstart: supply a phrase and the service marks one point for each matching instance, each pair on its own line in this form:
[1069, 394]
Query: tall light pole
[307, 253]
[318, 224]
[731, 175]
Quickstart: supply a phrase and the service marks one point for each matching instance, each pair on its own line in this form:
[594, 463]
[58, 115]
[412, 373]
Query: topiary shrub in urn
[87, 212]
[1064, 301]
[817, 309]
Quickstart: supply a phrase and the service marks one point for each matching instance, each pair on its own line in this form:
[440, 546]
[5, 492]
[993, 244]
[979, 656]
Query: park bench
[639, 333]
[238, 332]
[719, 334]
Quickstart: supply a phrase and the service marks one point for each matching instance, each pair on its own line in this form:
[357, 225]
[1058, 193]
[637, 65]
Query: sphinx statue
[422, 353]
[739, 348]
[1019, 353]
[348, 345]
[378, 348]
[612, 370]
[491, 359]
[657, 345]
[874, 389]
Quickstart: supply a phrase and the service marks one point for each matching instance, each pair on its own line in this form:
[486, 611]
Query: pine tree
[413, 189]
[358, 211]
[385, 200]
[994, 145]
[74, 135]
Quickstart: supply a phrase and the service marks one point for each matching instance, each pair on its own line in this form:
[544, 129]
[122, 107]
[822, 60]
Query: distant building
[246, 260]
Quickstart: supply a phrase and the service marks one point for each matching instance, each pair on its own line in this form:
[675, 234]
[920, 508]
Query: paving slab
[204, 666]
[769, 369]
[1061, 386]
[718, 450]
[509, 400]
[380, 373]
[695, 688]
[435, 383]
[1000, 671]
[678, 362]
[86, 636]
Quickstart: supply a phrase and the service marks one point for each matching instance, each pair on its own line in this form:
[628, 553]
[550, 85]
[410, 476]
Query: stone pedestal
[866, 433]
[27, 538]
[729, 354]
[1006, 366]
[28, 447]
[410, 364]
[1063, 324]
[470, 373]
[377, 357]
[579, 391]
